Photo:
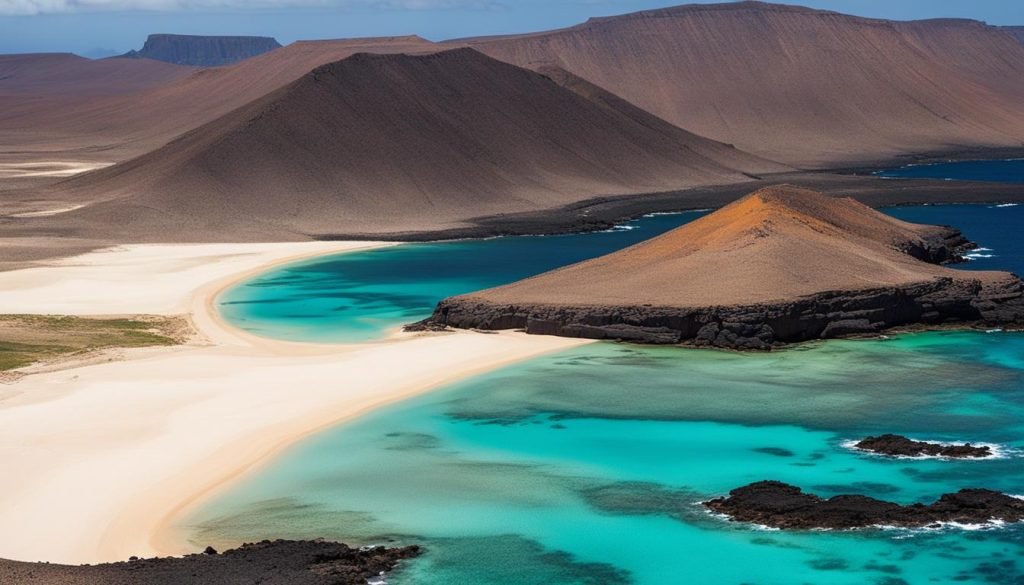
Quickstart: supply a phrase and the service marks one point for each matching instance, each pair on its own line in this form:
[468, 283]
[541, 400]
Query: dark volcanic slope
[780, 265]
[398, 143]
[62, 74]
[203, 51]
[269, 563]
[799, 85]
[119, 127]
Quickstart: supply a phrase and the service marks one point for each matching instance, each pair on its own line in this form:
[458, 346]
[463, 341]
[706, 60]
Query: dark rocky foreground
[944, 301]
[278, 562]
[899, 446]
[779, 505]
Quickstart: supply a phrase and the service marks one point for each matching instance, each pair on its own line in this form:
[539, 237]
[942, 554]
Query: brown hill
[64, 74]
[804, 86]
[782, 264]
[1016, 31]
[398, 143]
[120, 127]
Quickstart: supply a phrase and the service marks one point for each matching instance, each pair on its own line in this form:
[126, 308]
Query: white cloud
[28, 7]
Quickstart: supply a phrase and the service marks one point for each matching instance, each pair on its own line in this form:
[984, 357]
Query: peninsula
[781, 265]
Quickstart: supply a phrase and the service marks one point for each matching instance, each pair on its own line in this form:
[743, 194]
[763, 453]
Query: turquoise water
[586, 467]
[363, 296]
[1003, 171]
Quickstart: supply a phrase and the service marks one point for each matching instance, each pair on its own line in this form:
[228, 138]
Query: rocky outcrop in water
[202, 51]
[779, 505]
[900, 446]
[944, 301]
[279, 562]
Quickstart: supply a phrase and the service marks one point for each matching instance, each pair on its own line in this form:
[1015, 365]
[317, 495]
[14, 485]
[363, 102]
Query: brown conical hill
[399, 143]
[116, 128]
[782, 264]
[803, 86]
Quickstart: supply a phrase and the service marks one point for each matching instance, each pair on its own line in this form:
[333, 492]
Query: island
[900, 446]
[781, 265]
[779, 505]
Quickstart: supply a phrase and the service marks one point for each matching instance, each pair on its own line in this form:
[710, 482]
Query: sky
[103, 27]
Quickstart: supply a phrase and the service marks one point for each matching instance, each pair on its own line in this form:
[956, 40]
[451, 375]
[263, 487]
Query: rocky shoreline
[279, 561]
[900, 446]
[943, 301]
[778, 505]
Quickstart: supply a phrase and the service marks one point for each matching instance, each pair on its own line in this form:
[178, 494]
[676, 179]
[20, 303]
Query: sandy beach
[109, 456]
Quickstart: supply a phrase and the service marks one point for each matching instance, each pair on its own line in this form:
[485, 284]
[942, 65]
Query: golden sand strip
[108, 456]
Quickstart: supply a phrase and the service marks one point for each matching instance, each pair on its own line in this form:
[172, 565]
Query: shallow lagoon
[586, 467]
[363, 296]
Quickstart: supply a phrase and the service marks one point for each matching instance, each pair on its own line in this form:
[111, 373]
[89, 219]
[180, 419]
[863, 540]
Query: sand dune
[386, 144]
[803, 86]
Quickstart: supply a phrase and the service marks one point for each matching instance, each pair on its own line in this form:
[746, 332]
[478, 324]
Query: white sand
[48, 169]
[99, 461]
[47, 212]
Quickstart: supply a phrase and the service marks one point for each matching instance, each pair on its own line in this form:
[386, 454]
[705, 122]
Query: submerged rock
[900, 446]
[779, 505]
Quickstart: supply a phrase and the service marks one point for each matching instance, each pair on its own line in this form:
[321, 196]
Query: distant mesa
[781, 265]
[779, 505]
[202, 51]
[900, 446]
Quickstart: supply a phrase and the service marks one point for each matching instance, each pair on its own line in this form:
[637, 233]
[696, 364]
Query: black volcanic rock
[279, 562]
[900, 446]
[779, 505]
[944, 301]
[202, 51]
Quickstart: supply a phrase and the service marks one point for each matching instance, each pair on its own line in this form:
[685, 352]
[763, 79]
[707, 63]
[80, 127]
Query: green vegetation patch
[29, 339]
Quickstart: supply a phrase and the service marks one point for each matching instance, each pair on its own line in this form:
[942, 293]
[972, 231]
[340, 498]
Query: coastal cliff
[762, 326]
[202, 51]
[783, 265]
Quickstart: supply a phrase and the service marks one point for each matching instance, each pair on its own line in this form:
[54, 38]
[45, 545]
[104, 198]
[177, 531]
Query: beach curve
[118, 452]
